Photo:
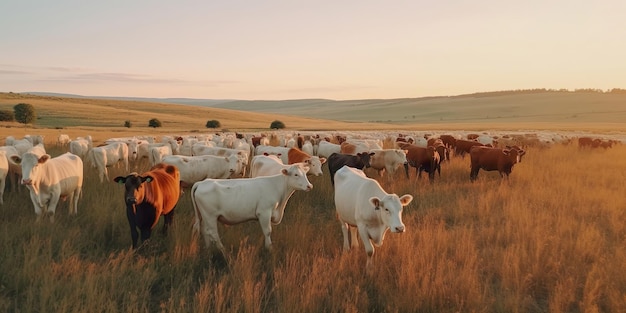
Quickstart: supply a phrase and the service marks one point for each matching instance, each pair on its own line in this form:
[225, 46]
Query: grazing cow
[51, 179]
[493, 159]
[314, 163]
[268, 165]
[362, 205]
[236, 201]
[196, 168]
[388, 160]
[148, 196]
[338, 160]
[463, 146]
[423, 159]
[157, 154]
[4, 171]
[106, 156]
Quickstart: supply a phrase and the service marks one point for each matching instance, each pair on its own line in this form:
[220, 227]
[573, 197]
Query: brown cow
[463, 146]
[493, 159]
[148, 196]
[423, 159]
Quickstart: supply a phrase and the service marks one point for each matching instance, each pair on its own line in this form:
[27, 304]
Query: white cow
[157, 154]
[268, 165]
[22, 145]
[325, 148]
[234, 201]
[362, 205]
[51, 179]
[81, 146]
[63, 140]
[388, 160]
[107, 156]
[280, 152]
[220, 151]
[196, 168]
[4, 172]
[15, 170]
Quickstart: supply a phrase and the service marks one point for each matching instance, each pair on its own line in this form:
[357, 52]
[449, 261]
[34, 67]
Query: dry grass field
[550, 239]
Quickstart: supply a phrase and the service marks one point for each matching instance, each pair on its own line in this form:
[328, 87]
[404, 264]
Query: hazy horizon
[276, 50]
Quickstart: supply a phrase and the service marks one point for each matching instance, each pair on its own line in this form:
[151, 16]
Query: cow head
[296, 178]
[390, 207]
[365, 158]
[31, 165]
[520, 152]
[134, 187]
[314, 164]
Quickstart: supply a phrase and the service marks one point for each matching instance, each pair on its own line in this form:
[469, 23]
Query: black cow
[338, 160]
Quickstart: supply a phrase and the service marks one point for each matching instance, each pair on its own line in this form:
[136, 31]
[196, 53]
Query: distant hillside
[516, 106]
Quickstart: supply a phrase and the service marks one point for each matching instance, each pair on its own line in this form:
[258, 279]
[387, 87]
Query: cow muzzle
[27, 182]
[131, 200]
[398, 229]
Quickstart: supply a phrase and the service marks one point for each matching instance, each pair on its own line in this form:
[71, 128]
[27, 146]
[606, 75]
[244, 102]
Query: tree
[154, 123]
[128, 124]
[277, 125]
[24, 113]
[7, 116]
[213, 124]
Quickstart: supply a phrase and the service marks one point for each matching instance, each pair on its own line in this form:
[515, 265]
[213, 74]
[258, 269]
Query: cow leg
[369, 248]
[354, 240]
[167, 221]
[345, 228]
[74, 203]
[52, 204]
[146, 231]
[266, 226]
[210, 233]
[474, 173]
[133, 226]
[2, 185]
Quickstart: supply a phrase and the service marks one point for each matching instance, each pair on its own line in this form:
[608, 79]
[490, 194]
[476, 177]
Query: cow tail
[198, 216]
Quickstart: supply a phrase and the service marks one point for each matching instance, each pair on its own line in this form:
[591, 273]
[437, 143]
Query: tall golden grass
[550, 239]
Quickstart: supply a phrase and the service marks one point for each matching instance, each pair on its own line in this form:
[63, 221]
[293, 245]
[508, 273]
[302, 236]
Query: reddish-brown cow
[148, 196]
[423, 159]
[493, 159]
[463, 146]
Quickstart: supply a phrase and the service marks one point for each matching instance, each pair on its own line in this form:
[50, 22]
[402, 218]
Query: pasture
[551, 239]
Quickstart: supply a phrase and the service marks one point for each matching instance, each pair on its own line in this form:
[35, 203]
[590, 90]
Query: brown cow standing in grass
[148, 196]
[493, 159]
[423, 159]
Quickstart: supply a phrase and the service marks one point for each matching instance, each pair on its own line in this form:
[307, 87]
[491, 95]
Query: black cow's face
[134, 187]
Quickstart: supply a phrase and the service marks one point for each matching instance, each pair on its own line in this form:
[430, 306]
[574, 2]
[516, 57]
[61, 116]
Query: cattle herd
[234, 178]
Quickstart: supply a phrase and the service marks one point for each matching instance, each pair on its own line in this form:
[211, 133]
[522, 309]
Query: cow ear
[372, 153]
[406, 199]
[375, 202]
[322, 160]
[506, 151]
[16, 159]
[44, 158]
[147, 179]
[120, 179]
[285, 171]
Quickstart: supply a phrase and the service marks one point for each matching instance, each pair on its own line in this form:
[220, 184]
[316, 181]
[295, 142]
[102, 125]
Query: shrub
[24, 113]
[213, 124]
[128, 124]
[277, 125]
[154, 123]
[7, 116]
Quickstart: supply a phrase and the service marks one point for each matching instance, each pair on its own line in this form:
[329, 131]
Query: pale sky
[333, 49]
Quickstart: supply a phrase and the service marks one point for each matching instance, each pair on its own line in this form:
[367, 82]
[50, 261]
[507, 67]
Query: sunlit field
[550, 239]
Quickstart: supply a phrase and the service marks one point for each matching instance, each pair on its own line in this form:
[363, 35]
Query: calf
[362, 205]
[234, 201]
[338, 160]
[148, 196]
[493, 159]
[388, 160]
